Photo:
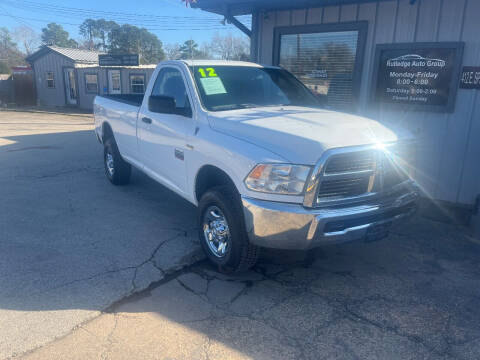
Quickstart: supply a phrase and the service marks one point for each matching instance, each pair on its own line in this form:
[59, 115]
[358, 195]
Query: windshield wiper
[246, 106]
[243, 106]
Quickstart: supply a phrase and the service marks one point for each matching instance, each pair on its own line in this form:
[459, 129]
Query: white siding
[449, 151]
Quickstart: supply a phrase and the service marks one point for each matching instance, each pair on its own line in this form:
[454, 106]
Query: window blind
[324, 62]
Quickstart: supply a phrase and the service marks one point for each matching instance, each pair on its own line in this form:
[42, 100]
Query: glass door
[70, 87]
[114, 83]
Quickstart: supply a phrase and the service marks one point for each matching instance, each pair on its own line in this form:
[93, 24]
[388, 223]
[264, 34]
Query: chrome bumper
[292, 226]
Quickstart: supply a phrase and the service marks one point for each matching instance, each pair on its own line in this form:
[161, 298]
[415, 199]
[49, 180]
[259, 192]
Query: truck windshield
[239, 87]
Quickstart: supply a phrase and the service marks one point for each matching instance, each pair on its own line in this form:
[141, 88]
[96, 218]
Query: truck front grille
[392, 175]
[353, 186]
[357, 173]
[355, 161]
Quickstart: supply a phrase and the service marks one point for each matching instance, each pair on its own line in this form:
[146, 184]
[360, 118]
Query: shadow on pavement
[71, 245]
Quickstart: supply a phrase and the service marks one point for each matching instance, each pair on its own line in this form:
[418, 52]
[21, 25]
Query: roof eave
[37, 54]
[244, 7]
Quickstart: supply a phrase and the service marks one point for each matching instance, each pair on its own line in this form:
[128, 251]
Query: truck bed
[131, 99]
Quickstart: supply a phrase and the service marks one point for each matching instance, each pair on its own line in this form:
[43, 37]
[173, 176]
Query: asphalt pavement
[70, 243]
[93, 271]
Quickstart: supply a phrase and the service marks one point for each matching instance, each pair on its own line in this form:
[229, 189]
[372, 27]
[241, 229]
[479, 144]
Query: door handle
[147, 120]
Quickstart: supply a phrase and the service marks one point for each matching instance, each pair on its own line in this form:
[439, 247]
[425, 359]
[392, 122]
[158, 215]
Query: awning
[242, 7]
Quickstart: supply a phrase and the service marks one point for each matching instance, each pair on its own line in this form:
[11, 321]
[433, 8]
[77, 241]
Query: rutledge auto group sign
[417, 76]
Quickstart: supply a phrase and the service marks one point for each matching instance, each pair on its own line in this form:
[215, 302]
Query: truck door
[162, 136]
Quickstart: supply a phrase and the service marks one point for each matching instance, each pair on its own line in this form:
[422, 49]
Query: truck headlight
[278, 178]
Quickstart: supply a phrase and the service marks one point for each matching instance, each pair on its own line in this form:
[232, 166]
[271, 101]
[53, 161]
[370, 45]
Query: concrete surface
[70, 243]
[75, 253]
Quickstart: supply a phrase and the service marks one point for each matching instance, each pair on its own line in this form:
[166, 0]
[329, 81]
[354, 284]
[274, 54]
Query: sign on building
[118, 60]
[417, 76]
[470, 78]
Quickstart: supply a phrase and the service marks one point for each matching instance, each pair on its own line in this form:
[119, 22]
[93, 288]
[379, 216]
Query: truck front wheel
[222, 231]
[117, 170]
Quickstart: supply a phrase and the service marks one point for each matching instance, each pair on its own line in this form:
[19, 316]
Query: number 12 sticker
[208, 71]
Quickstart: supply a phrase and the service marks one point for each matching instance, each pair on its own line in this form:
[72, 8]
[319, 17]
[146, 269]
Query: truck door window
[170, 82]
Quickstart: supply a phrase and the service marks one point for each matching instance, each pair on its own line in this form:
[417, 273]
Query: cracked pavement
[70, 243]
[139, 289]
[414, 295]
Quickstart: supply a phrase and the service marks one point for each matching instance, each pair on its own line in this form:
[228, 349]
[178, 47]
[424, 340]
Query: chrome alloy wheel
[216, 231]
[110, 163]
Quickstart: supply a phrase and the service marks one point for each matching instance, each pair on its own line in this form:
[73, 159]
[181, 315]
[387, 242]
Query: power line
[81, 12]
[153, 22]
[16, 18]
[220, 27]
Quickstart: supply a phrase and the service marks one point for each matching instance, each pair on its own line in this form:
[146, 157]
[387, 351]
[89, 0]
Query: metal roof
[242, 7]
[76, 55]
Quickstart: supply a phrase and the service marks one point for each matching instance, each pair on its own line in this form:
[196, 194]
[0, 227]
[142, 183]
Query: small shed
[72, 77]
[54, 69]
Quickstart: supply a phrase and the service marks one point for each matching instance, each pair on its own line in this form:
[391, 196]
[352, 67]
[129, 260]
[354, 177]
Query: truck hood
[300, 135]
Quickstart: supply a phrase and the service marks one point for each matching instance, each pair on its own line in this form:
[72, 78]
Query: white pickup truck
[266, 166]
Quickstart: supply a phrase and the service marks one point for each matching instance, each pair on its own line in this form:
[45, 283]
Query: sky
[170, 20]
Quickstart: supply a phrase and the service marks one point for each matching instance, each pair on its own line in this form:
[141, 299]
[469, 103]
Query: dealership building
[414, 63]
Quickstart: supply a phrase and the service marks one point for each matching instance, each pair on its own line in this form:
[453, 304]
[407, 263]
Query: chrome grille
[350, 162]
[353, 186]
[356, 173]
[392, 175]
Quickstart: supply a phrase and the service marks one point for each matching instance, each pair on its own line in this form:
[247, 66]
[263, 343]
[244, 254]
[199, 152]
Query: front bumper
[292, 226]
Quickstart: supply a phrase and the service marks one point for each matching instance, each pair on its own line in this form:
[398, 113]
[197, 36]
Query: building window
[50, 80]
[137, 84]
[325, 59]
[91, 83]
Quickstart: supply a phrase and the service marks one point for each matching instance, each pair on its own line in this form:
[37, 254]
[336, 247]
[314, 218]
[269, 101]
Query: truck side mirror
[161, 104]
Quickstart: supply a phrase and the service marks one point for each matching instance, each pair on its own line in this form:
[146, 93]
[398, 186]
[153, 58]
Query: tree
[88, 31]
[96, 32]
[189, 50]
[103, 29]
[27, 37]
[129, 39]
[206, 51]
[9, 53]
[6, 41]
[229, 47]
[55, 34]
[172, 51]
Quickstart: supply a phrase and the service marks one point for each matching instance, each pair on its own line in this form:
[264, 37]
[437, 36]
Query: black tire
[240, 254]
[120, 175]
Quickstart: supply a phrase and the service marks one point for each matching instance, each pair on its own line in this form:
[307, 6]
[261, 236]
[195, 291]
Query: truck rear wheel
[222, 231]
[117, 170]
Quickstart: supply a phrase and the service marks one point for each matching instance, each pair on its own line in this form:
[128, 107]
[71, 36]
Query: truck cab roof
[217, 63]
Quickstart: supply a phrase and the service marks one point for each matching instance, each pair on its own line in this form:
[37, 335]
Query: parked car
[266, 166]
